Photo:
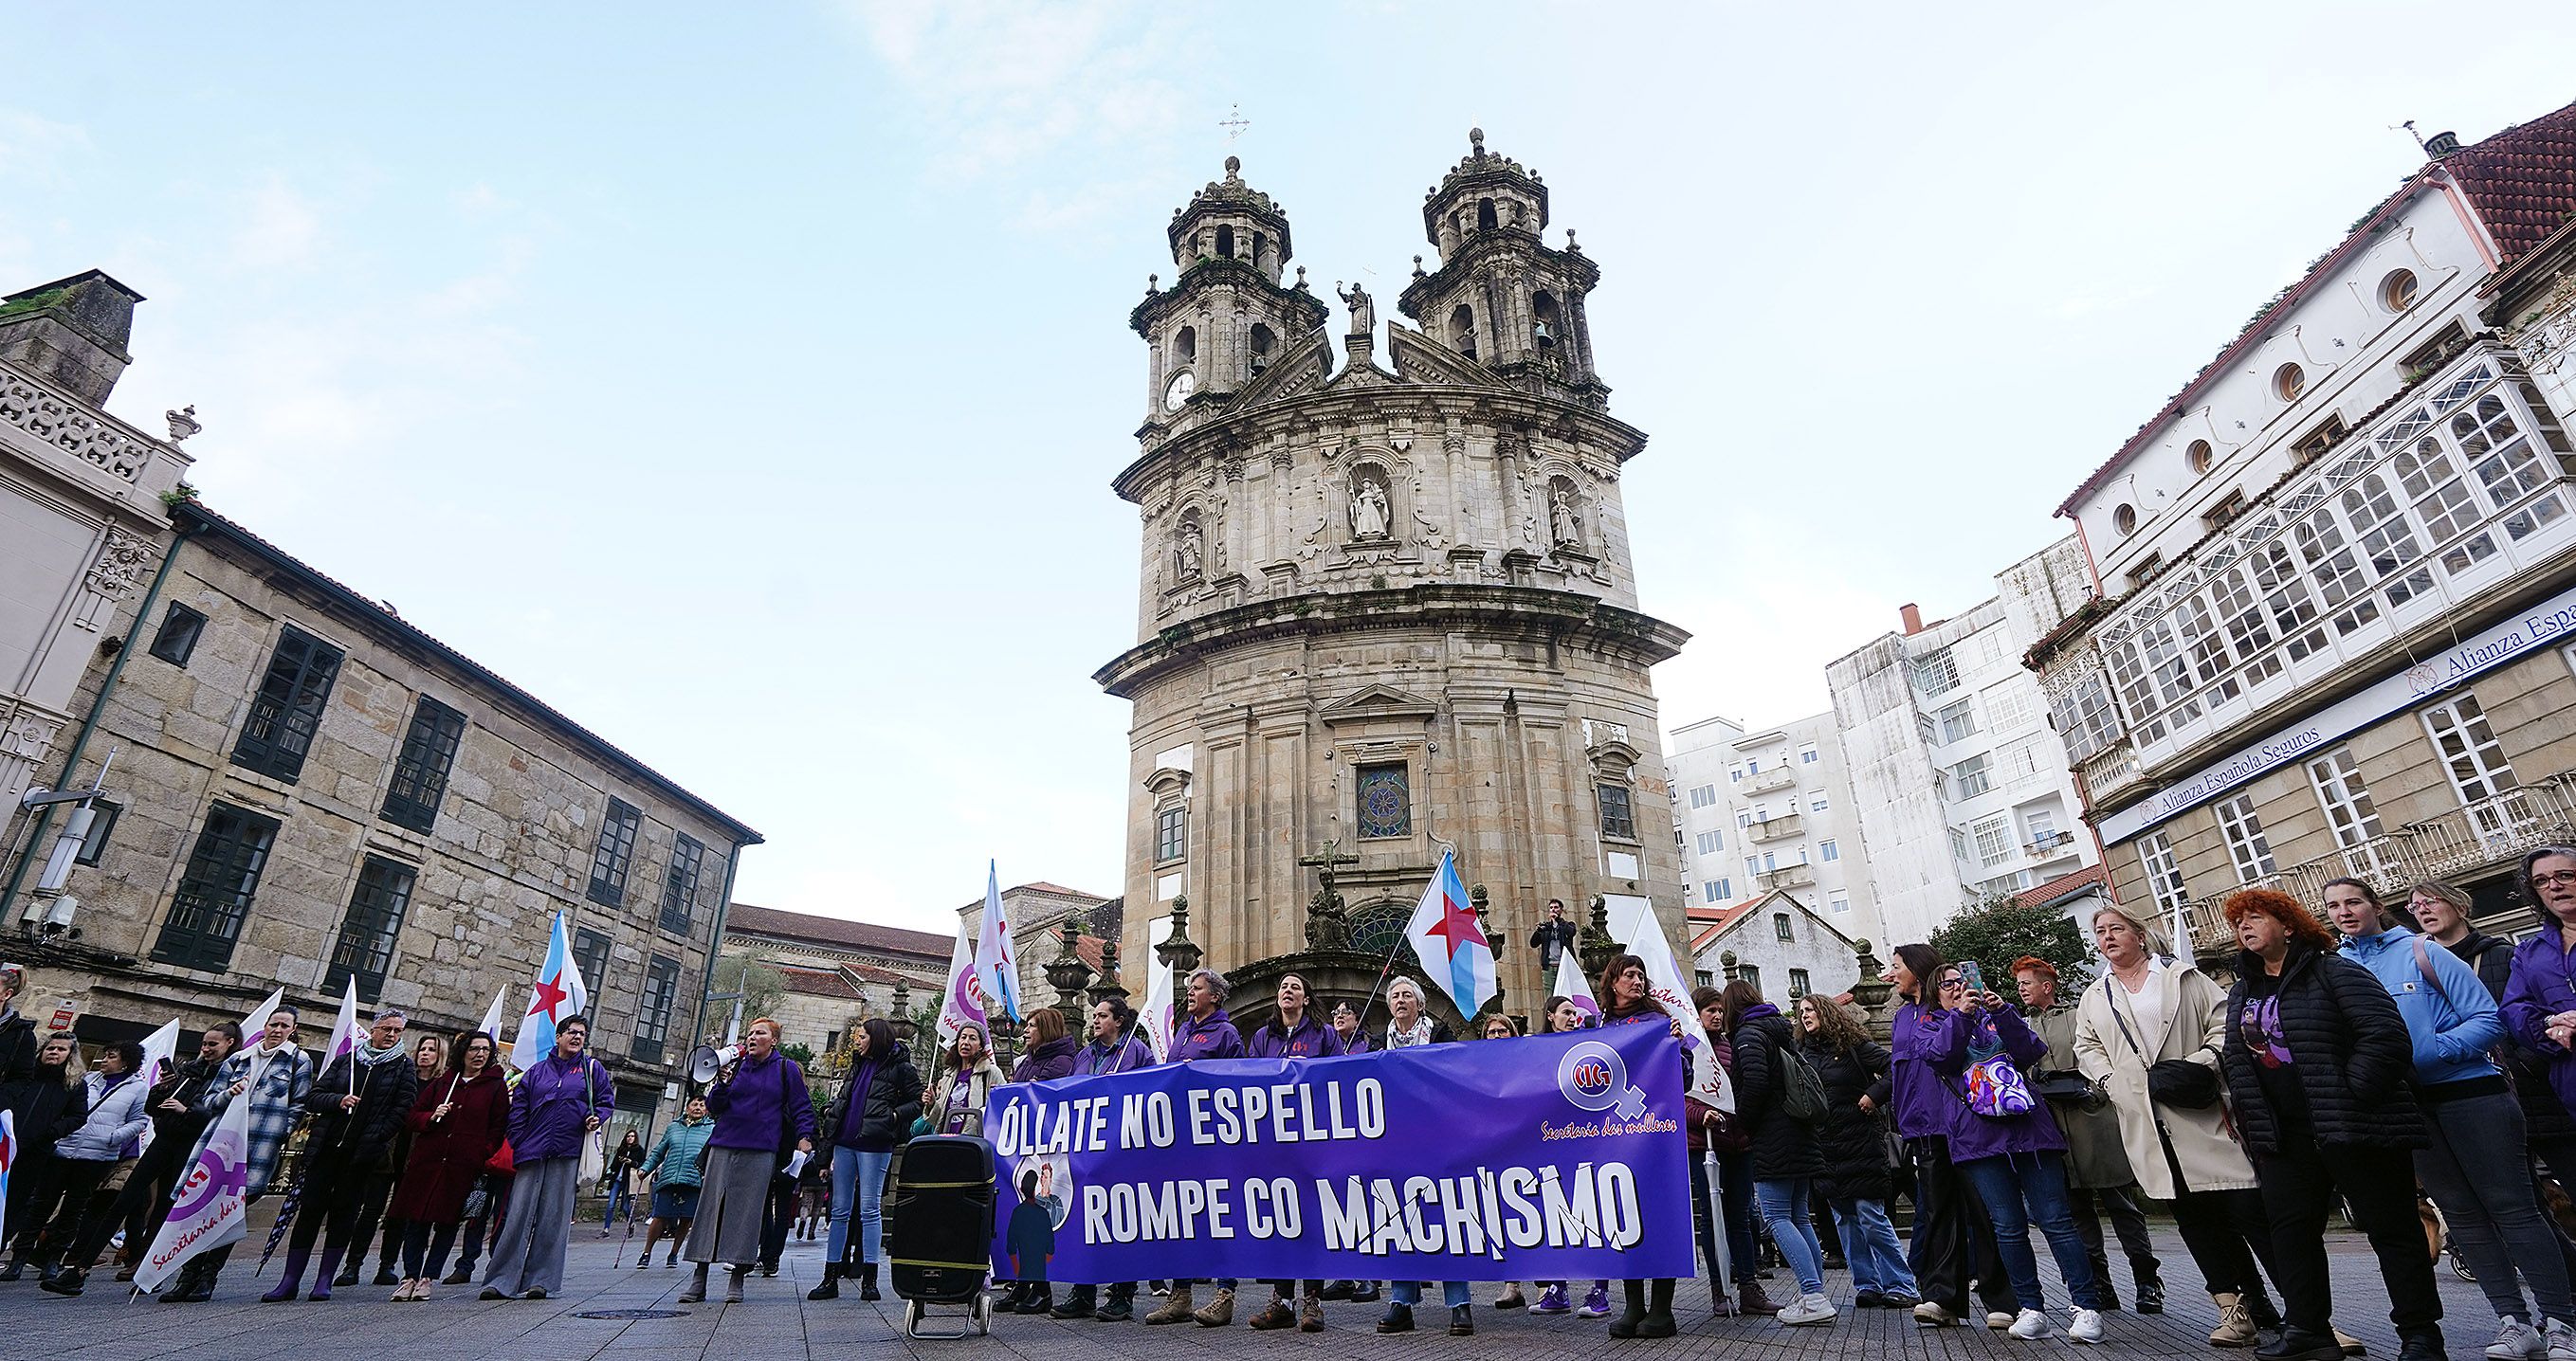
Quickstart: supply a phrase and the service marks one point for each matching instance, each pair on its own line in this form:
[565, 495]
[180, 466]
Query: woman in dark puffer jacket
[2318, 1062]
[1786, 1159]
[1856, 1182]
[879, 1102]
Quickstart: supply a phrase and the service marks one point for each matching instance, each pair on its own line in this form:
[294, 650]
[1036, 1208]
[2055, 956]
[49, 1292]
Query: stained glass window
[1386, 801]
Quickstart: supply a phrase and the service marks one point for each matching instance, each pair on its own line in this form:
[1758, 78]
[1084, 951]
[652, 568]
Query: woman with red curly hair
[2319, 1062]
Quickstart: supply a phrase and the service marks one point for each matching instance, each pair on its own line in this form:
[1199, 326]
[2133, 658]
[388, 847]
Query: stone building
[1767, 809]
[1776, 943]
[306, 788]
[1386, 608]
[1037, 913]
[80, 510]
[2337, 570]
[1959, 788]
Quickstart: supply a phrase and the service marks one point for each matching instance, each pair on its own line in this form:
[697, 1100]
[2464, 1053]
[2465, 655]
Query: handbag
[501, 1163]
[1996, 1089]
[594, 1147]
[2170, 1082]
[2067, 1087]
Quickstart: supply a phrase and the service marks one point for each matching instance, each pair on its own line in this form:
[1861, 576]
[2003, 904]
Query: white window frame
[1819, 803]
[1711, 842]
[1808, 755]
[1827, 850]
[2039, 824]
[1958, 719]
[1977, 769]
[1993, 839]
[2247, 846]
[2466, 745]
[2164, 873]
[1839, 902]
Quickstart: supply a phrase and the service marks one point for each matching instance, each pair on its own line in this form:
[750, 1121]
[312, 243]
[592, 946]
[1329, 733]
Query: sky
[746, 381]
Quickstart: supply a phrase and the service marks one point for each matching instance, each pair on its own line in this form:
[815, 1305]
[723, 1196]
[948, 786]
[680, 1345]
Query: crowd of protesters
[2365, 1050]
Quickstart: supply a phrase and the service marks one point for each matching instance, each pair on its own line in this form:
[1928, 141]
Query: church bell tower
[1225, 319]
[1501, 296]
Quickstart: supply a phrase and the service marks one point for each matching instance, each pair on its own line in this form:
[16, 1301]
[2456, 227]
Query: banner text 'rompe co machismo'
[1555, 1156]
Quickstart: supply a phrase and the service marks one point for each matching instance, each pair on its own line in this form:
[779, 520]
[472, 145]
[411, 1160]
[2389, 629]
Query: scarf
[368, 1056]
[1406, 1039]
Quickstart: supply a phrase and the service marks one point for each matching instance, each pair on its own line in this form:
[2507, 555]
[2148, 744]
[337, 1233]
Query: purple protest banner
[1551, 1157]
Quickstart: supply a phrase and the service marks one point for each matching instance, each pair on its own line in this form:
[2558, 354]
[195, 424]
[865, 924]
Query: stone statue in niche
[1187, 551]
[1562, 519]
[1363, 308]
[1370, 511]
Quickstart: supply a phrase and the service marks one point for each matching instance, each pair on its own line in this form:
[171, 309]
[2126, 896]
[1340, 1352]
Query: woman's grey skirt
[730, 1199]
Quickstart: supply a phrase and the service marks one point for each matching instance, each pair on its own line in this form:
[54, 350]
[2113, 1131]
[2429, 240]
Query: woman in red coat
[457, 1123]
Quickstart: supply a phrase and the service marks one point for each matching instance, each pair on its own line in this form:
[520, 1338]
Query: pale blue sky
[746, 380]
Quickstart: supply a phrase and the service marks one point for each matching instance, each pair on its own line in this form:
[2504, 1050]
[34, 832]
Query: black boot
[1397, 1319]
[2151, 1295]
[1659, 1309]
[1634, 1316]
[1120, 1306]
[1037, 1298]
[2298, 1345]
[1079, 1302]
[830, 1289]
[868, 1281]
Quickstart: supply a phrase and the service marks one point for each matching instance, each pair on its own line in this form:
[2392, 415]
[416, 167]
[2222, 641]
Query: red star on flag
[550, 995]
[1457, 925]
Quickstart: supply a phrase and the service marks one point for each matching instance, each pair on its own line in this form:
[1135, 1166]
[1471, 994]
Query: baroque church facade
[1385, 604]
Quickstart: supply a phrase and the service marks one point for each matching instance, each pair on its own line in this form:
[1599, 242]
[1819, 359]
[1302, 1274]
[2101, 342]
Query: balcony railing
[1763, 782]
[2452, 845]
[1772, 829]
[1787, 876]
[2109, 771]
[2043, 847]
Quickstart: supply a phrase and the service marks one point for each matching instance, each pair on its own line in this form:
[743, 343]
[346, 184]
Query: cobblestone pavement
[359, 1324]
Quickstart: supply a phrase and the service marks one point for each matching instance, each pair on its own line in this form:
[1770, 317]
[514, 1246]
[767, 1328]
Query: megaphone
[706, 1061]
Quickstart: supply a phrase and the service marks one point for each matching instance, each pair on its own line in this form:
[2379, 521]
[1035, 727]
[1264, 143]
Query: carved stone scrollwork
[60, 422]
[112, 576]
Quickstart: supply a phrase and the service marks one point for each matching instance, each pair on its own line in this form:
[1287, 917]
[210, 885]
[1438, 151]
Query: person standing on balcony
[1553, 938]
[2320, 1066]
[2476, 1166]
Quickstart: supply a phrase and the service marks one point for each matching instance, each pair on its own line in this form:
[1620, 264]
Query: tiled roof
[2064, 886]
[769, 921]
[1041, 886]
[193, 518]
[818, 983]
[1712, 922]
[2521, 182]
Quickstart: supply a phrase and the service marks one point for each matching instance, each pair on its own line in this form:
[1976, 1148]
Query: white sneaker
[1998, 1320]
[2516, 1340]
[2560, 1338]
[2031, 1326]
[2086, 1327]
[1931, 1315]
[1806, 1311]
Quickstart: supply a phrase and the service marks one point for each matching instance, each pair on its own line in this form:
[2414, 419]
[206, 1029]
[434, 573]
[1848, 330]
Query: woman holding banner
[1294, 1033]
[276, 1075]
[1407, 1027]
[1346, 1028]
[1114, 1048]
[1048, 1053]
[1205, 1031]
[1561, 1014]
[1649, 1310]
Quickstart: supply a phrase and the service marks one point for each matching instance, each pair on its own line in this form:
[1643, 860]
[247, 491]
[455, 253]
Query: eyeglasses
[2561, 877]
[1949, 983]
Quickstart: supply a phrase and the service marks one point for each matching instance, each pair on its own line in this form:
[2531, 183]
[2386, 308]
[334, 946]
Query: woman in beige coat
[2151, 1011]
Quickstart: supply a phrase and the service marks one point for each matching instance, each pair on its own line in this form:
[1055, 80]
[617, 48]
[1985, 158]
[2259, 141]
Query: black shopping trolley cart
[939, 1230]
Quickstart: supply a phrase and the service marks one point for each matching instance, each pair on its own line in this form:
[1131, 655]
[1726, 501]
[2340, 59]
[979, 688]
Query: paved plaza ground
[359, 1324]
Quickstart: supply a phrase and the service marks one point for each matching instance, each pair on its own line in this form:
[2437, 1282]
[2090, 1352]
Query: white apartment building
[1764, 810]
[1959, 789]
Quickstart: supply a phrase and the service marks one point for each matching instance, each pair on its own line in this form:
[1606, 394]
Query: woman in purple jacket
[1294, 1033]
[761, 1106]
[1114, 1048]
[2008, 1146]
[1048, 1052]
[557, 1105]
[2540, 990]
[1204, 1031]
[1953, 1239]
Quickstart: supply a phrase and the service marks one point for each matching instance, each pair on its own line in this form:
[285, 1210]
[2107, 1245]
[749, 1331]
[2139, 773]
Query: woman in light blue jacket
[2477, 1167]
[87, 1156]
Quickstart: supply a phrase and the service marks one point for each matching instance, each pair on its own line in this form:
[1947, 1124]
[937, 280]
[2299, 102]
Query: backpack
[1802, 1092]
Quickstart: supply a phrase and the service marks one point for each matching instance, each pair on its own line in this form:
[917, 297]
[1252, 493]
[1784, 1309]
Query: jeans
[2478, 1171]
[1452, 1293]
[1869, 1246]
[1784, 1207]
[1735, 1196]
[2299, 1186]
[2023, 1189]
[617, 1195]
[858, 1183]
[424, 1248]
[1953, 1239]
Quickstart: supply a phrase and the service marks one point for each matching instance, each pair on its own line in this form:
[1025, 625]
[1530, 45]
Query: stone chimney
[71, 333]
[1913, 617]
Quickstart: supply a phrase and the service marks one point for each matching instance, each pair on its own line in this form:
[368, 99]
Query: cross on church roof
[1234, 124]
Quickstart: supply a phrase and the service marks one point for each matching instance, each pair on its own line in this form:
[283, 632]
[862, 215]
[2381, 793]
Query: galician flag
[995, 971]
[1450, 942]
[964, 1003]
[1570, 986]
[559, 995]
[209, 1209]
[160, 1052]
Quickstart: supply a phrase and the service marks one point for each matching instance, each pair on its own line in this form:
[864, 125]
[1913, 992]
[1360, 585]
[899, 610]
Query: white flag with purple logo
[1632, 919]
[210, 1208]
[964, 1003]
